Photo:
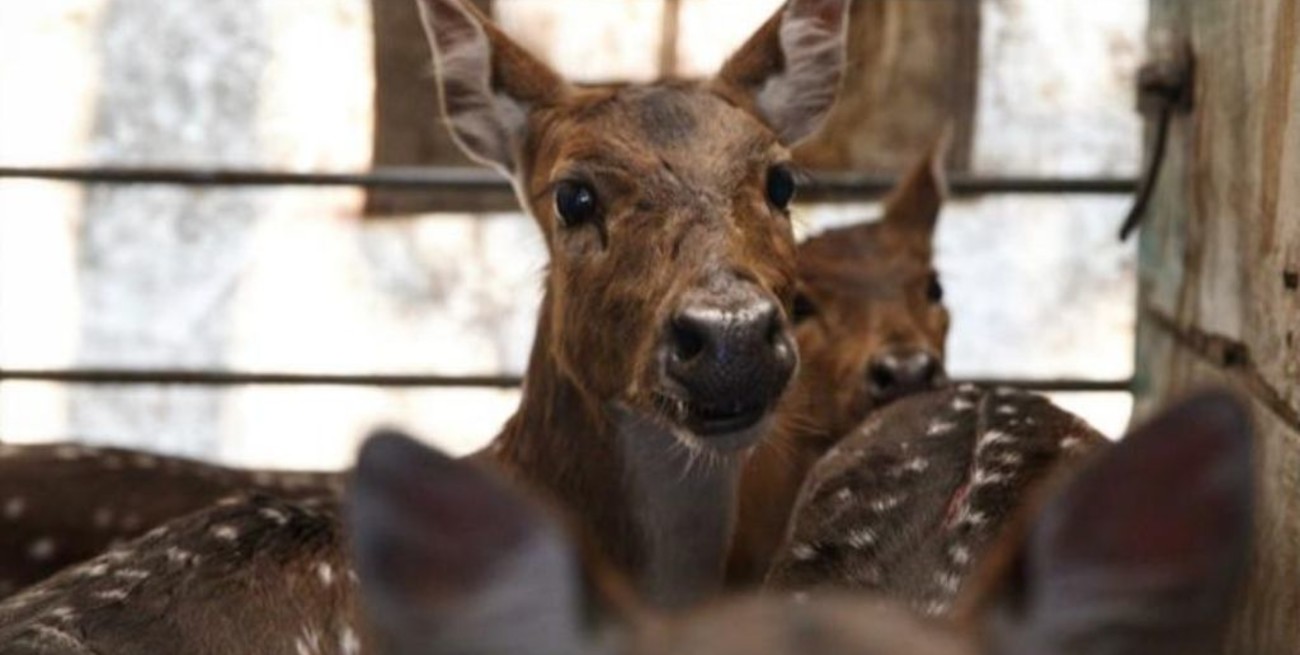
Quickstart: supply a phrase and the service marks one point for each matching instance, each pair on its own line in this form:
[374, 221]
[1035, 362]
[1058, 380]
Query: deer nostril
[687, 339]
[881, 375]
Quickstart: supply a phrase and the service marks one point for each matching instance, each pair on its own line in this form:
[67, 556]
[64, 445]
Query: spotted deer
[908, 504]
[870, 299]
[663, 343]
[871, 327]
[64, 503]
[1139, 550]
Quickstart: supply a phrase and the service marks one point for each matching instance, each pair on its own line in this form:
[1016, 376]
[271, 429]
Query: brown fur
[869, 289]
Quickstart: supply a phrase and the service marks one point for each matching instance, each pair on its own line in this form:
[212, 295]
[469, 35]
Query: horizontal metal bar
[822, 187]
[108, 376]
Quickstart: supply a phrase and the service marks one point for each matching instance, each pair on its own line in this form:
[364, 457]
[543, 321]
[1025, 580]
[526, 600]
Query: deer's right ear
[1144, 549]
[790, 69]
[489, 83]
[452, 560]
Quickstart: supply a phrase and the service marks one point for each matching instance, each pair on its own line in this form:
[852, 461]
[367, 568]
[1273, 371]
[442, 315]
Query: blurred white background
[293, 280]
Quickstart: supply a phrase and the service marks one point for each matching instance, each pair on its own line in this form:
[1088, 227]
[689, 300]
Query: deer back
[64, 503]
[907, 504]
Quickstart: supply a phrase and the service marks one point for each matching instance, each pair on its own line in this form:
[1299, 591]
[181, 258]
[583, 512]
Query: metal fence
[821, 188]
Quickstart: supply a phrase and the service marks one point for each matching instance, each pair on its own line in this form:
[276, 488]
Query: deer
[1139, 549]
[909, 503]
[663, 345]
[64, 503]
[871, 327]
[869, 323]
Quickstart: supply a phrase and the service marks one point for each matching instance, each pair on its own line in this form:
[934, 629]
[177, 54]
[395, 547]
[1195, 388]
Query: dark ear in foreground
[914, 204]
[1142, 551]
[452, 560]
[489, 83]
[790, 70]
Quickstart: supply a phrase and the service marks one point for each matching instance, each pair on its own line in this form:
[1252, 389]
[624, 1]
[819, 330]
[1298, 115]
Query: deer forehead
[656, 138]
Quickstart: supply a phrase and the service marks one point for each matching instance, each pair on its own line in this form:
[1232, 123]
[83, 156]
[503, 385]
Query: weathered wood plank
[1219, 255]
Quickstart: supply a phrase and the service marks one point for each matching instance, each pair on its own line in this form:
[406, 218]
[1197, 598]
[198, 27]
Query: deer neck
[663, 516]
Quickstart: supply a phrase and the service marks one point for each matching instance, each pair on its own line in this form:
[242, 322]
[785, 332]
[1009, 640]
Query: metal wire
[822, 187]
[113, 376]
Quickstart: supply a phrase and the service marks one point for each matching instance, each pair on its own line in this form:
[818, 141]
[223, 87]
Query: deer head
[1139, 553]
[664, 208]
[871, 319]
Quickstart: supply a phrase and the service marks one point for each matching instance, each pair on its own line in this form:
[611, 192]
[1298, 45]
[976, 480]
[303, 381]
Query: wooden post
[1219, 267]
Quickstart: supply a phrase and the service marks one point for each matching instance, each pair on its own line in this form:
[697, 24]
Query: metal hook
[1164, 87]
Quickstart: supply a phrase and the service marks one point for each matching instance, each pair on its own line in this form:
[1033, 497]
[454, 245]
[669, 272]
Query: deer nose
[732, 357]
[897, 373]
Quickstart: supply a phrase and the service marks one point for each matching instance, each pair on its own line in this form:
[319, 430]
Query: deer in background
[663, 343]
[871, 327]
[1139, 551]
[909, 504]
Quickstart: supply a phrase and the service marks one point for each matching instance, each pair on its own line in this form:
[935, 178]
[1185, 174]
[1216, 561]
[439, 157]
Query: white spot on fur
[960, 555]
[1006, 410]
[42, 549]
[886, 503]
[180, 556]
[916, 465]
[983, 477]
[112, 594]
[862, 538]
[93, 569]
[992, 438]
[935, 608]
[157, 533]
[325, 572]
[224, 532]
[1070, 443]
[1009, 459]
[61, 613]
[948, 581]
[273, 515]
[1006, 391]
[939, 427]
[131, 574]
[962, 404]
[348, 642]
[803, 552]
[966, 387]
[14, 507]
[844, 495]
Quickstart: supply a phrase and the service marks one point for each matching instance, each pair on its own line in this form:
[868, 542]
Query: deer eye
[575, 202]
[934, 290]
[803, 309]
[780, 186]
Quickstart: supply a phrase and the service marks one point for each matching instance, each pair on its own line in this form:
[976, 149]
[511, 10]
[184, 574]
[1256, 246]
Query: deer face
[871, 319]
[664, 208]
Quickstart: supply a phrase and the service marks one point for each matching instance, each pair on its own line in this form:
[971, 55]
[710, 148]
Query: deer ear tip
[387, 450]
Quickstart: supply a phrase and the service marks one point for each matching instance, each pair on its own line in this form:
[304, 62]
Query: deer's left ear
[790, 69]
[915, 203]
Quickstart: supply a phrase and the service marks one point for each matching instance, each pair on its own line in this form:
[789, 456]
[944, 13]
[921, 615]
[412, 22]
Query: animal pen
[247, 244]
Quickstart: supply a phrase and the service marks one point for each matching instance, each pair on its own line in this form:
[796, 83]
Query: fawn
[1138, 551]
[871, 326]
[907, 504]
[663, 343]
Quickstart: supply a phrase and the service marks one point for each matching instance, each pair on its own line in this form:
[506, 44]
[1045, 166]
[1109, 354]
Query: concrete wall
[1220, 257]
